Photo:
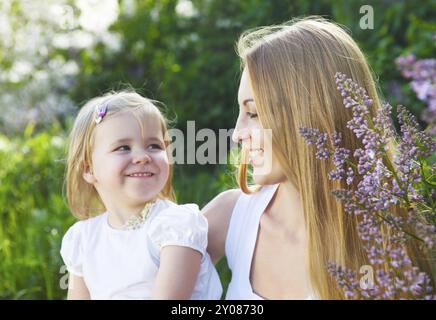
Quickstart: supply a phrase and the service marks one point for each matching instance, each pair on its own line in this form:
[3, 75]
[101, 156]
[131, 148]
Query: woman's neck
[286, 208]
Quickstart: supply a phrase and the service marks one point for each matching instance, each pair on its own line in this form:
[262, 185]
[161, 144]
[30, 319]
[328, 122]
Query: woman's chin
[262, 179]
[262, 176]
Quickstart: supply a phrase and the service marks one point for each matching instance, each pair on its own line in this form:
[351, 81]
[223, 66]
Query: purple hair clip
[101, 112]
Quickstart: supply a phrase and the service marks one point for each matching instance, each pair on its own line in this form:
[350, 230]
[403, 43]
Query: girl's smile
[145, 174]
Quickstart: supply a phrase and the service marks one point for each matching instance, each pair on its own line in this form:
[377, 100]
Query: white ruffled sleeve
[72, 249]
[179, 225]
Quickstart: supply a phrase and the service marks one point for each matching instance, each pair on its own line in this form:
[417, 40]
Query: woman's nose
[239, 135]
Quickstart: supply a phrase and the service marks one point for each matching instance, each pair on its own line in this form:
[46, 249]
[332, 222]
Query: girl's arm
[177, 275]
[77, 289]
[218, 213]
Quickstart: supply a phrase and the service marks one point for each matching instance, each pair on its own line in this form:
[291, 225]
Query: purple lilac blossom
[423, 75]
[381, 187]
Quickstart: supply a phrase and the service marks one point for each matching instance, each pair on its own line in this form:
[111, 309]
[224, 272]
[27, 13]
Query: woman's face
[254, 138]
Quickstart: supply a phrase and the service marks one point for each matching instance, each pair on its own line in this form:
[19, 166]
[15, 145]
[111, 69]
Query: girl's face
[129, 165]
[257, 140]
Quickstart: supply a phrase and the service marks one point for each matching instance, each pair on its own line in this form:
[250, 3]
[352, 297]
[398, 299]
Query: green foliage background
[190, 64]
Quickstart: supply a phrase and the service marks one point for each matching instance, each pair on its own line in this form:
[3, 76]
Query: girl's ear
[88, 175]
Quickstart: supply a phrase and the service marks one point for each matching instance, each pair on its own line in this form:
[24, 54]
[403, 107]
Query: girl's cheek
[161, 158]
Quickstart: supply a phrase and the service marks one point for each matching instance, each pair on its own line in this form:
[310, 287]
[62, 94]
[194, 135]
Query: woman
[278, 240]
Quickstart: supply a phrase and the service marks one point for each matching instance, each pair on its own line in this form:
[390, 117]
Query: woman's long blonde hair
[292, 68]
[82, 197]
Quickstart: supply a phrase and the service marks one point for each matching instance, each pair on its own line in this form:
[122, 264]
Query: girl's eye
[155, 146]
[123, 148]
[251, 115]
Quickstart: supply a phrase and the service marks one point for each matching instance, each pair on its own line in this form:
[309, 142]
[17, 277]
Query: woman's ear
[88, 175]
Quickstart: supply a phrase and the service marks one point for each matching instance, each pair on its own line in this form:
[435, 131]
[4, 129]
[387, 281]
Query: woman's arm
[218, 213]
[177, 275]
[77, 289]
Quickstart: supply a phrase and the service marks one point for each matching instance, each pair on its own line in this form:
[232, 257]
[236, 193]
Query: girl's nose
[141, 157]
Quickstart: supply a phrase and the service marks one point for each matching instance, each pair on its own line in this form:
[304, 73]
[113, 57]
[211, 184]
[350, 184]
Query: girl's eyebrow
[119, 141]
[122, 140]
[154, 139]
[125, 140]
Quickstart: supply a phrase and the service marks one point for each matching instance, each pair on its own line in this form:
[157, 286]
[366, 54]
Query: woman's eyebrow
[246, 101]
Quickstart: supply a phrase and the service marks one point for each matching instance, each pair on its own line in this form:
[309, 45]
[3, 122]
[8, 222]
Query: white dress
[123, 264]
[241, 241]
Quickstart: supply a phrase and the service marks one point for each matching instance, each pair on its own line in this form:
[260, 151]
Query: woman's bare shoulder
[218, 213]
[222, 203]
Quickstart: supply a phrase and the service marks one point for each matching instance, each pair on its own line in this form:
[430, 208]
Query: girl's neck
[118, 217]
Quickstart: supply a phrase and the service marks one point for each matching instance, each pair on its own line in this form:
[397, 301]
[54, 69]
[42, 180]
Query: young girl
[144, 245]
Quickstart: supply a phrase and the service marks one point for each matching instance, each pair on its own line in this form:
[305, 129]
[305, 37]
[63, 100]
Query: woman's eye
[123, 148]
[251, 115]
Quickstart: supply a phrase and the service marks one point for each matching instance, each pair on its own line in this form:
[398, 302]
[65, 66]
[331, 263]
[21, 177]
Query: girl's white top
[123, 264]
[241, 241]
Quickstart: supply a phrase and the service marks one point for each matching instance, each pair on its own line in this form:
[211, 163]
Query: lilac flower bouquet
[394, 196]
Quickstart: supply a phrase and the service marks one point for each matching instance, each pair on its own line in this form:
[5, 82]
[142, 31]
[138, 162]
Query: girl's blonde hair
[292, 68]
[82, 197]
